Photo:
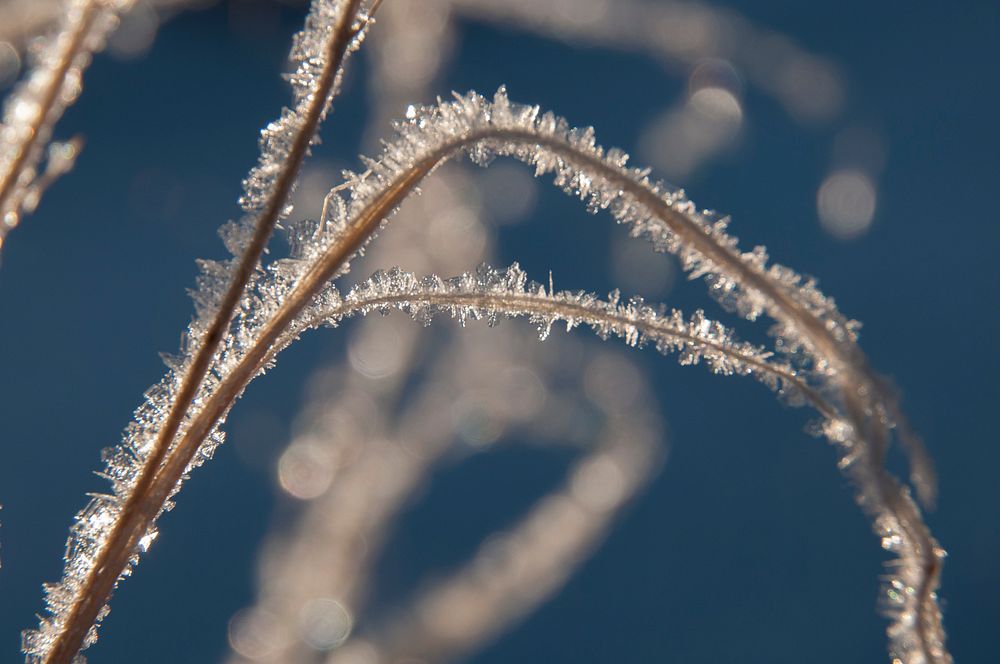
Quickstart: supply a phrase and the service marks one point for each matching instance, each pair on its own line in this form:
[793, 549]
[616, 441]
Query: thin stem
[10, 178]
[530, 304]
[138, 512]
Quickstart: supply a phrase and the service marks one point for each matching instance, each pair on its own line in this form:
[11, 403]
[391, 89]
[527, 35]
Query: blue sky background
[748, 548]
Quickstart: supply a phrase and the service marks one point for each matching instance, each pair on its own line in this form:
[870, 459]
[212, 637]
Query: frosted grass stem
[145, 503]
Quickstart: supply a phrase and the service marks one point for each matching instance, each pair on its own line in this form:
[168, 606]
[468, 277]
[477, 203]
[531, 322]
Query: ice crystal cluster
[31, 111]
[815, 357]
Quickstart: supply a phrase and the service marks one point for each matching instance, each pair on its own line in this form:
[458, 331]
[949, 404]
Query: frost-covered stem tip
[145, 502]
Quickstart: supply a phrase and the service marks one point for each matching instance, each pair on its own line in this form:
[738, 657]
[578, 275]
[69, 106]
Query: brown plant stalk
[543, 306]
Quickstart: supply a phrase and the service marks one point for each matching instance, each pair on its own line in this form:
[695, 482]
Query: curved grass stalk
[490, 295]
[809, 325]
[32, 110]
[124, 522]
[810, 329]
[807, 317]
